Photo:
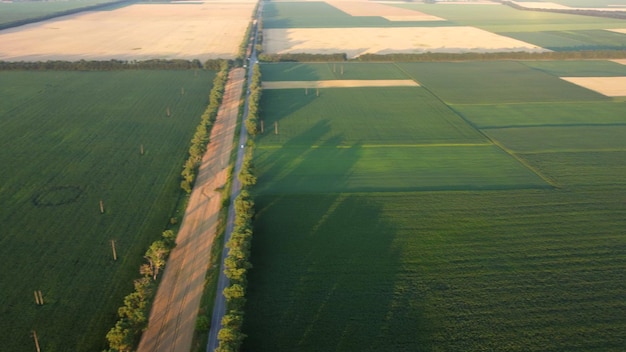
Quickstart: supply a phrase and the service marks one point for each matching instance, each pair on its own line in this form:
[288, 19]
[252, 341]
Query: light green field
[365, 116]
[494, 82]
[386, 169]
[486, 116]
[587, 169]
[331, 71]
[69, 140]
[561, 139]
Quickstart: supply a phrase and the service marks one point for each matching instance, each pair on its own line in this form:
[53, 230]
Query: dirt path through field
[173, 316]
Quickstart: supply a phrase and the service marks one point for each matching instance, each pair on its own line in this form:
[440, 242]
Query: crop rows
[71, 140]
[488, 215]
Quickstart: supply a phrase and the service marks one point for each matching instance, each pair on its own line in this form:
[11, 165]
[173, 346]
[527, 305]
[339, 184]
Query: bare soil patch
[339, 84]
[202, 30]
[391, 13]
[609, 86]
[357, 41]
[175, 308]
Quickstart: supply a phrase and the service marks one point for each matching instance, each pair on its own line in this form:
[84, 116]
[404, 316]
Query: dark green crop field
[319, 14]
[494, 82]
[532, 270]
[70, 140]
[579, 68]
[502, 19]
[385, 224]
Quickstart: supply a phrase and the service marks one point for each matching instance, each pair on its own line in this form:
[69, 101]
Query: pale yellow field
[609, 86]
[357, 41]
[391, 13]
[210, 29]
[339, 84]
[554, 6]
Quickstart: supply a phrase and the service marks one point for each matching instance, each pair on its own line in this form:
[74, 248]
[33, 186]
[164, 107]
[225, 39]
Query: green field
[503, 19]
[366, 116]
[582, 68]
[71, 139]
[588, 3]
[486, 116]
[17, 11]
[596, 39]
[319, 14]
[531, 270]
[494, 82]
[384, 169]
[331, 71]
[484, 212]
[558, 138]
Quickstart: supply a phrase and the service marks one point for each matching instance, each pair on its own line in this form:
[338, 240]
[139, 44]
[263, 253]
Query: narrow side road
[175, 308]
[219, 307]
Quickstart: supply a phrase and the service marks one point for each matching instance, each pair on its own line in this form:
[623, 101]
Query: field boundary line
[493, 141]
[554, 151]
[339, 83]
[421, 145]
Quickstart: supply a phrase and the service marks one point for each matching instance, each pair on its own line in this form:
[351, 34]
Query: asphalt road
[219, 307]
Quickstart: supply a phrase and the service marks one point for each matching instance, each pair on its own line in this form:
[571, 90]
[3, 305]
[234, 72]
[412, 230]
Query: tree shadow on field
[307, 163]
[327, 273]
[328, 276]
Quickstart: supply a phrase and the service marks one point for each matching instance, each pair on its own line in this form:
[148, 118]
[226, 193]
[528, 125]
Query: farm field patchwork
[360, 116]
[580, 68]
[594, 39]
[508, 82]
[609, 86]
[140, 31]
[320, 14]
[505, 19]
[71, 139]
[372, 235]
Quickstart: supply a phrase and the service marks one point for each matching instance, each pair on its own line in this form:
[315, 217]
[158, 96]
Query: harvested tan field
[609, 86]
[620, 61]
[357, 41]
[618, 30]
[391, 13]
[339, 84]
[554, 6]
[199, 30]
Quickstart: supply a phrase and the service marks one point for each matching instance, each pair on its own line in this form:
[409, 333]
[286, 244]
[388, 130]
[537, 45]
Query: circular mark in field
[57, 195]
